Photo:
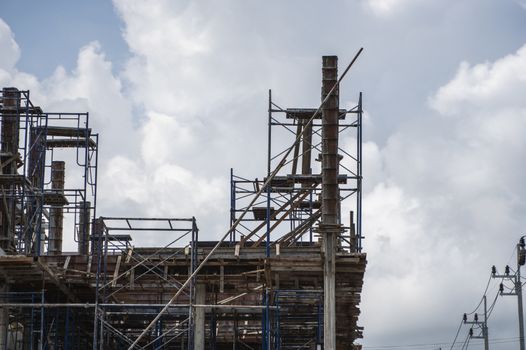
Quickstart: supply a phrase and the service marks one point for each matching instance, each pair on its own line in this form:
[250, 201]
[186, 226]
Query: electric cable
[482, 298]
[456, 336]
[433, 346]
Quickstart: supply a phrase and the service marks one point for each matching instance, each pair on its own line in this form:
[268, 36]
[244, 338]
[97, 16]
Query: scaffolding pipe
[92, 305]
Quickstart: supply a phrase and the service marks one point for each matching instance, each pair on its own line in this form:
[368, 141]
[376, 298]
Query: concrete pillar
[4, 320]
[9, 138]
[84, 227]
[28, 339]
[306, 149]
[56, 214]
[199, 321]
[329, 225]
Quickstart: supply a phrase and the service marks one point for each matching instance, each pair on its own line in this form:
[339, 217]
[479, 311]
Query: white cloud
[442, 196]
[449, 199]
[484, 86]
[141, 170]
[521, 3]
[389, 7]
[9, 48]
[165, 139]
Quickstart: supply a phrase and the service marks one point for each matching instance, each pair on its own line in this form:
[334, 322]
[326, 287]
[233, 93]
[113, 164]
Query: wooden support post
[221, 279]
[116, 272]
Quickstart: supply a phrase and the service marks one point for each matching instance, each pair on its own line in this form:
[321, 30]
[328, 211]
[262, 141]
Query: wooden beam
[56, 281]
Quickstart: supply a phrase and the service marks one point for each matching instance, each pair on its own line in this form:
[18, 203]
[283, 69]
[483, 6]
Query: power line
[482, 298]
[493, 304]
[425, 346]
[456, 336]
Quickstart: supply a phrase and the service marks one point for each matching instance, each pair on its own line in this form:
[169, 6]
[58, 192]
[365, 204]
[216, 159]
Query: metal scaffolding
[261, 286]
[32, 179]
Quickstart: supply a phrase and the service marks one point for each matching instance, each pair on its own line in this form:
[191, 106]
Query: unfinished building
[287, 274]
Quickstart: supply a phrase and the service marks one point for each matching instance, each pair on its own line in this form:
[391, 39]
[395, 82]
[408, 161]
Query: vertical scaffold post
[193, 267]
[359, 178]
[266, 315]
[96, 252]
[232, 206]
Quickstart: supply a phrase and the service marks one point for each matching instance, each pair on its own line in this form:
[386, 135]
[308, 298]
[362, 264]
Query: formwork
[287, 274]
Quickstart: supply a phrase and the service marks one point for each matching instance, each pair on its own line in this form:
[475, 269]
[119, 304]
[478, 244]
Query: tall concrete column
[4, 321]
[56, 213]
[199, 321]
[84, 227]
[329, 225]
[10, 129]
[306, 148]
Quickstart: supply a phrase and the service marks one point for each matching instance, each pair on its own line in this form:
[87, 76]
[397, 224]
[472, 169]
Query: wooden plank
[221, 279]
[129, 255]
[88, 269]
[116, 272]
[66, 263]
[57, 282]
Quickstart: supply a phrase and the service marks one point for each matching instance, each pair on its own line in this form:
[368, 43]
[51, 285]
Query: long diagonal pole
[263, 188]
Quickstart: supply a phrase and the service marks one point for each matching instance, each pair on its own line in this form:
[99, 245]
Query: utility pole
[517, 284]
[483, 325]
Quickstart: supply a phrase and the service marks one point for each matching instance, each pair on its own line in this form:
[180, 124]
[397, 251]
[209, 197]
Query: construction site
[286, 274]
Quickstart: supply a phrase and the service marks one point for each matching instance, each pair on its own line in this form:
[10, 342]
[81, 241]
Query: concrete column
[4, 321]
[10, 119]
[329, 225]
[199, 321]
[306, 148]
[84, 227]
[28, 341]
[56, 214]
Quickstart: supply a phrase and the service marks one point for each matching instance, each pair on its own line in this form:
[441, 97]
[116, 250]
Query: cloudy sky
[178, 91]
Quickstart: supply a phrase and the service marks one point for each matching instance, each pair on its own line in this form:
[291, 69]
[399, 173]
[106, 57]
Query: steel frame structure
[108, 328]
[257, 287]
[26, 185]
[295, 198]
